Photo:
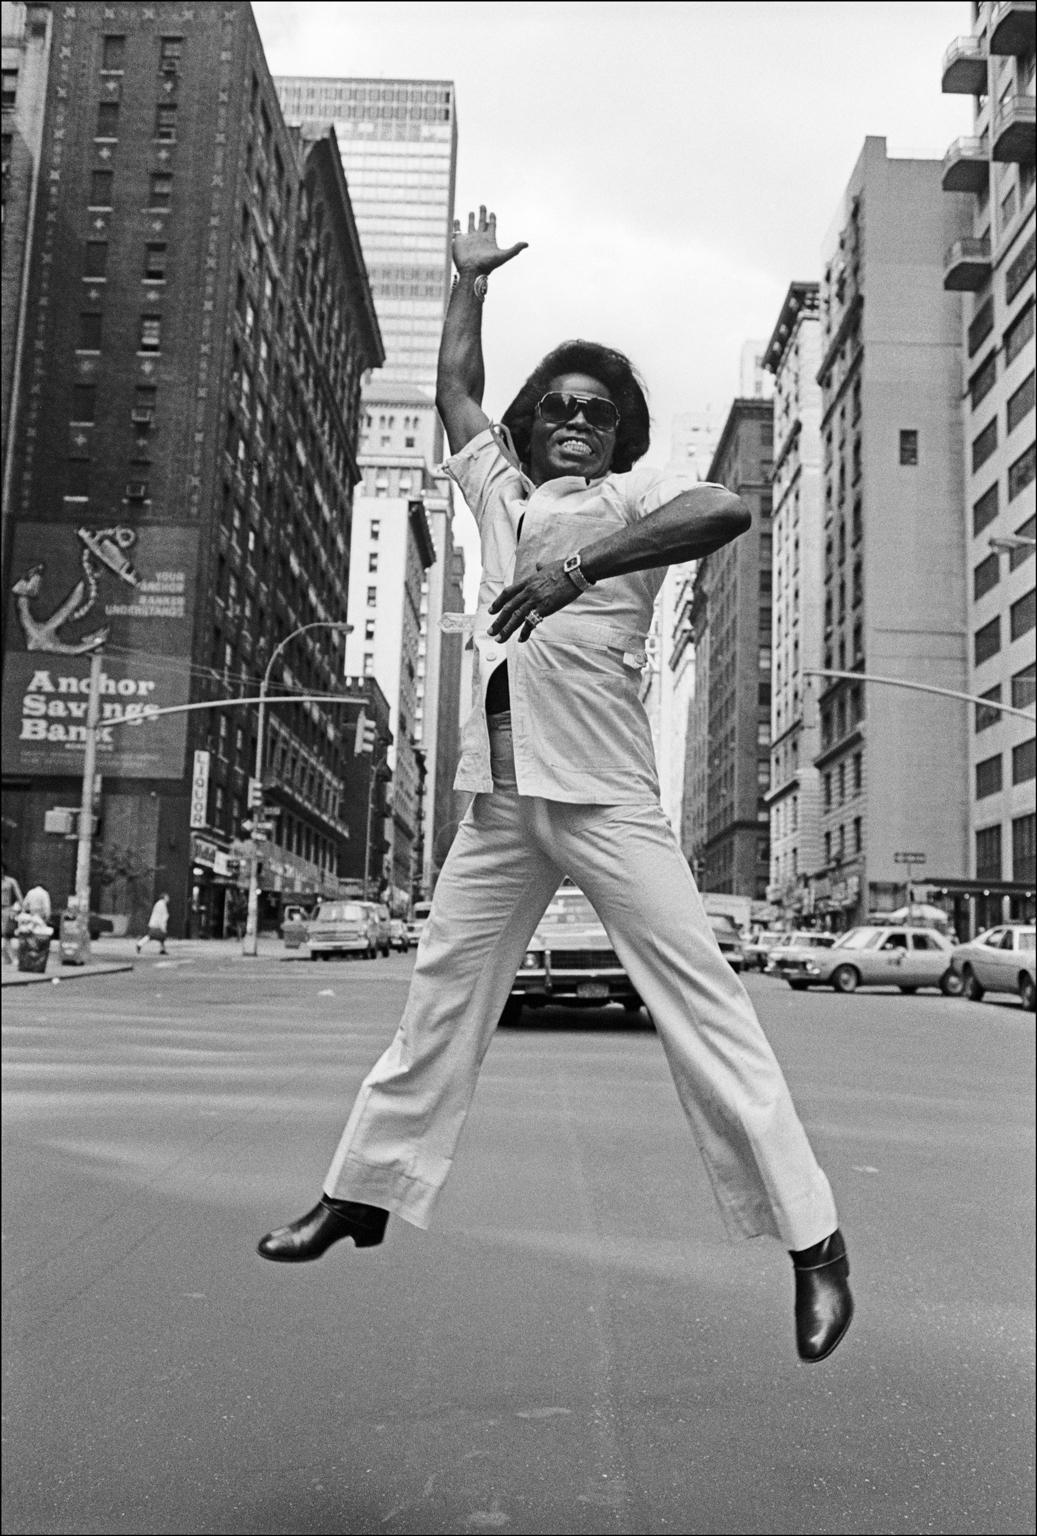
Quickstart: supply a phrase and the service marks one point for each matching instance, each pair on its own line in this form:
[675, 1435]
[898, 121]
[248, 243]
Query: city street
[574, 1347]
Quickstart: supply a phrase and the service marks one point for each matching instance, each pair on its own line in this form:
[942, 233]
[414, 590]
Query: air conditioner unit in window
[142, 414]
[136, 490]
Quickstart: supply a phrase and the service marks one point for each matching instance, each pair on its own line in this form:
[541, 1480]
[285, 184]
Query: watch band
[572, 569]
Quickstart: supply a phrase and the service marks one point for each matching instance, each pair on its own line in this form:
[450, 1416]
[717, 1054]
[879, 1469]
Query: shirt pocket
[588, 713]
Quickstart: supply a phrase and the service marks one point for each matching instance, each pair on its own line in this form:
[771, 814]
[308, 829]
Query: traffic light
[255, 794]
[366, 733]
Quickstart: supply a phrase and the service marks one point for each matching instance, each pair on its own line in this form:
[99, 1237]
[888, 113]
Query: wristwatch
[573, 570]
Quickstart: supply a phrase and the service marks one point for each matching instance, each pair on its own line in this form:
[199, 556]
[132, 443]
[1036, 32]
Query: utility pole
[86, 805]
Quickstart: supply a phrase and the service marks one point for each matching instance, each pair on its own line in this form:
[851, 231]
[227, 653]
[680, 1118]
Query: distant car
[570, 960]
[792, 945]
[878, 956]
[379, 914]
[999, 960]
[398, 935]
[341, 928]
[729, 937]
[417, 920]
[756, 949]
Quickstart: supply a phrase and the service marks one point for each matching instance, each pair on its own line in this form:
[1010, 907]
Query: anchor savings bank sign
[126, 591]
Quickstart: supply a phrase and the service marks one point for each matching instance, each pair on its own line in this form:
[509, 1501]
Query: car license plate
[595, 990]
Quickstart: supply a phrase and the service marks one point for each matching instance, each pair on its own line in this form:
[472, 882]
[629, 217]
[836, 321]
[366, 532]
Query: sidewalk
[110, 955]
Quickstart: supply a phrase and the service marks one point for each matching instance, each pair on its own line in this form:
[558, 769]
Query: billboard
[127, 592]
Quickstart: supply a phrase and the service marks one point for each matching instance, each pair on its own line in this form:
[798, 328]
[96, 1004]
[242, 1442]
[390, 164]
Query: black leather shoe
[328, 1222]
[824, 1305]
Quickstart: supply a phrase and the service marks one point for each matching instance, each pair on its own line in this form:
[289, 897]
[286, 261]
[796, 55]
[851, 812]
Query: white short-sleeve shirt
[580, 731]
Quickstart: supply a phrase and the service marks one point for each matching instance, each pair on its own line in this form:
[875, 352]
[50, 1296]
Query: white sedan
[880, 956]
[1000, 960]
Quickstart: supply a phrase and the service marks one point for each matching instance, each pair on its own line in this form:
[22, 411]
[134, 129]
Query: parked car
[398, 935]
[341, 928]
[797, 939]
[756, 949]
[729, 936]
[999, 960]
[417, 920]
[379, 914]
[879, 956]
[570, 960]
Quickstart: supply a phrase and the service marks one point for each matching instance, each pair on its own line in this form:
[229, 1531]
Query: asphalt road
[574, 1347]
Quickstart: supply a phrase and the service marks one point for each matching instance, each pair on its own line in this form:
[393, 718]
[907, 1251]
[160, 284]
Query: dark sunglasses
[556, 409]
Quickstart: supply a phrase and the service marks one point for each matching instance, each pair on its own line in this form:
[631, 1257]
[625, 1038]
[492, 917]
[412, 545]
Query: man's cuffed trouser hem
[390, 1189]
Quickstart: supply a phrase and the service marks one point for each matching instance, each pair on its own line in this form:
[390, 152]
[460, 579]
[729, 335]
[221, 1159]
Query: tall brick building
[198, 326]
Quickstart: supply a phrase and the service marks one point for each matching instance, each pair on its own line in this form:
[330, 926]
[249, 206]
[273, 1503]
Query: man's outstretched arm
[460, 378]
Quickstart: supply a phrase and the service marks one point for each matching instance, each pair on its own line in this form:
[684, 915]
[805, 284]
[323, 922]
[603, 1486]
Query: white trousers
[507, 860]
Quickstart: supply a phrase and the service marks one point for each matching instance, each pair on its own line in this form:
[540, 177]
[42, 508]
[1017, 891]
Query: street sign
[909, 858]
[258, 829]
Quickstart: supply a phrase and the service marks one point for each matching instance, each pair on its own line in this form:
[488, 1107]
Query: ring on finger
[533, 618]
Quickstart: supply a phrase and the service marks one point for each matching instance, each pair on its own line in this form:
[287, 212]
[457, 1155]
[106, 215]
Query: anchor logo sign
[102, 549]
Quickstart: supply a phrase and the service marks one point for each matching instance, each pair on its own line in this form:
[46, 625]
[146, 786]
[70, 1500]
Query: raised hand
[477, 250]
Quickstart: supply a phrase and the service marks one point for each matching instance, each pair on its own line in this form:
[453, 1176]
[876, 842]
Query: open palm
[477, 250]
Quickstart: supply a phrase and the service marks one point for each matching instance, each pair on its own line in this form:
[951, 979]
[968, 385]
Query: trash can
[33, 949]
[75, 938]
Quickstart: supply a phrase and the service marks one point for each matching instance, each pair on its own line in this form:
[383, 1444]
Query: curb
[66, 973]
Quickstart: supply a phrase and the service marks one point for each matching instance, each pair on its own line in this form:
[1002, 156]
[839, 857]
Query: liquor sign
[127, 592]
[200, 790]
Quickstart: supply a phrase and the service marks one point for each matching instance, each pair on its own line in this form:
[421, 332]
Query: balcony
[966, 167]
[967, 265]
[1013, 137]
[1012, 27]
[964, 71]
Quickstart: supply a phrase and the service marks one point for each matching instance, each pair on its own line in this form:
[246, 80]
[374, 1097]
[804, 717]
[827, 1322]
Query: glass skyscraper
[398, 141]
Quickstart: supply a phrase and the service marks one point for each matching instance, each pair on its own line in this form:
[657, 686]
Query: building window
[909, 447]
[101, 189]
[989, 776]
[1024, 761]
[170, 54]
[372, 562]
[89, 333]
[983, 380]
[1024, 848]
[1024, 687]
[372, 597]
[161, 190]
[165, 122]
[155, 262]
[1022, 616]
[84, 402]
[369, 629]
[107, 120]
[984, 510]
[9, 95]
[985, 716]
[113, 52]
[983, 446]
[988, 853]
[150, 333]
[987, 641]
[986, 575]
[95, 258]
[1020, 404]
[1018, 334]
[1024, 552]
[1021, 473]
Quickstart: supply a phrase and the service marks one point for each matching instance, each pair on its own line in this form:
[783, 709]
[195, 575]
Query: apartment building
[890, 759]
[392, 552]
[197, 325]
[793, 356]
[730, 712]
[992, 266]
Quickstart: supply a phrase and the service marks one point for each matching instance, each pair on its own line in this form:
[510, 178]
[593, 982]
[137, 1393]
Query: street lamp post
[250, 943]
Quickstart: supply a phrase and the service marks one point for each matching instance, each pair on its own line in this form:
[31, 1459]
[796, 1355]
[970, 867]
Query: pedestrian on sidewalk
[575, 547]
[12, 905]
[37, 903]
[158, 925]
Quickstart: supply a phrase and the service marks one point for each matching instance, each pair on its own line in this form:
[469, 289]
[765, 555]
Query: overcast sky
[674, 166]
